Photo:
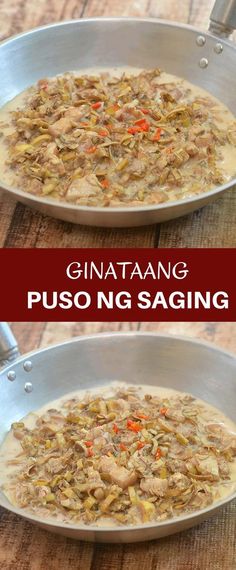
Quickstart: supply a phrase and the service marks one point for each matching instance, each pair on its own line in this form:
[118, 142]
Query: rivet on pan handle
[223, 18]
[9, 350]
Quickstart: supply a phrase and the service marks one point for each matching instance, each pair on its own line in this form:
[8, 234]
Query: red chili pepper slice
[115, 428]
[88, 443]
[134, 130]
[145, 127]
[143, 124]
[91, 149]
[140, 126]
[96, 106]
[158, 453]
[123, 447]
[140, 122]
[103, 133]
[133, 426]
[142, 416]
[105, 183]
[163, 411]
[157, 134]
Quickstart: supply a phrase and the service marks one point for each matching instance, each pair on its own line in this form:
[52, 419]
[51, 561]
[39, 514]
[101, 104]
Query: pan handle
[223, 18]
[8, 346]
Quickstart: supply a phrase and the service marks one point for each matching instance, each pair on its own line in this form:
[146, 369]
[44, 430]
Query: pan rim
[83, 21]
[125, 528]
[107, 334]
[116, 211]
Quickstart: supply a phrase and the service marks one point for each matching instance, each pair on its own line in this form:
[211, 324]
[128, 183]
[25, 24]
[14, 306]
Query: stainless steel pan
[202, 58]
[183, 364]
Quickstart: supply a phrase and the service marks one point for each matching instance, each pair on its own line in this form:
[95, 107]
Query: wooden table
[210, 546]
[213, 226]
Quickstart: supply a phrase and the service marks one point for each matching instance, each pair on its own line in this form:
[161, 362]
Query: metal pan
[115, 42]
[86, 362]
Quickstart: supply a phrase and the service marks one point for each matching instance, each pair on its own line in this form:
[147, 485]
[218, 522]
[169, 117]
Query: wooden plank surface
[215, 225]
[210, 546]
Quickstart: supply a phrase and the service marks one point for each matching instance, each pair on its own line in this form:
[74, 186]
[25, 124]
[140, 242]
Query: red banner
[118, 285]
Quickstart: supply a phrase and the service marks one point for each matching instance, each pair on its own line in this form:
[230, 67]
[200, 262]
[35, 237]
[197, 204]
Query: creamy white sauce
[227, 162]
[11, 447]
